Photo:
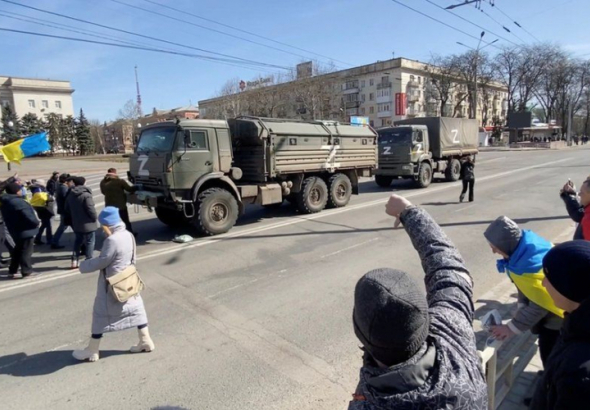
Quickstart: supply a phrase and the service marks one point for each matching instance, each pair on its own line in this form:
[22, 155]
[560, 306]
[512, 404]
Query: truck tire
[339, 191]
[217, 211]
[313, 195]
[171, 217]
[424, 177]
[383, 181]
[453, 171]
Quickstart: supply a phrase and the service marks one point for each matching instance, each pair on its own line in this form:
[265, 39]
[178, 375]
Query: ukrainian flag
[25, 147]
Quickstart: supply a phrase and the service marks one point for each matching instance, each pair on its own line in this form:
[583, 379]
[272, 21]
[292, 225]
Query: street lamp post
[483, 33]
[11, 125]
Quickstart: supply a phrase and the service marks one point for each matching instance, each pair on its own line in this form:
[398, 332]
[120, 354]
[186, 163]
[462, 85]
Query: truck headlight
[406, 167]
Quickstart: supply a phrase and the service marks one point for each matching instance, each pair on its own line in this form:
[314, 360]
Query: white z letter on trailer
[455, 136]
[386, 150]
[143, 159]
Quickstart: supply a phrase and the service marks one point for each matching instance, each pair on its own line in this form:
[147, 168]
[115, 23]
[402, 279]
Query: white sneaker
[145, 342]
[90, 354]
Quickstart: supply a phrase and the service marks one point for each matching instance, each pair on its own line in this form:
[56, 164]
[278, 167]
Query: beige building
[382, 92]
[189, 112]
[40, 97]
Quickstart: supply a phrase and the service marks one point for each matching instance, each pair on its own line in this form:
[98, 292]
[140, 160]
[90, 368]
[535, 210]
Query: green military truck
[205, 172]
[417, 148]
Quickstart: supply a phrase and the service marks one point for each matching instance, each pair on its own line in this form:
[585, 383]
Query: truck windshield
[395, 136]
[160, 139]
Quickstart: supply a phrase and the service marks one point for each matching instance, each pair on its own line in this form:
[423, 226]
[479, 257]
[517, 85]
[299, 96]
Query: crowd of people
[420, 352]
[27, 209]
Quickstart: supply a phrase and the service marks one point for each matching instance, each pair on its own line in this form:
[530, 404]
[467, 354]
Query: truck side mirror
[187, 138]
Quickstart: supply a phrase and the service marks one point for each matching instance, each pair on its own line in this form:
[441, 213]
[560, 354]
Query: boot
[89, 354]
[145, 342]
[462, 197]
[74, 264]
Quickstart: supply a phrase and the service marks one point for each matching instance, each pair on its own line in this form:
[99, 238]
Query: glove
[501, 265]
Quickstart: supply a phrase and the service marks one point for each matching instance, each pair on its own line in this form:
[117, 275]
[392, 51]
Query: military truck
[205, 172]
[417, 148]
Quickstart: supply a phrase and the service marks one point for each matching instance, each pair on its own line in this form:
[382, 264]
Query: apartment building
[383, 92]
[40, 97]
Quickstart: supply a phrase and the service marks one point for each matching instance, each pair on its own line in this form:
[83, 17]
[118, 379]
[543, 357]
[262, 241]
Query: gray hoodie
[80, 210]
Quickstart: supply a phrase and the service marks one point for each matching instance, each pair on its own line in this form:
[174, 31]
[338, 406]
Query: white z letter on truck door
[455, 136]
[142, 159]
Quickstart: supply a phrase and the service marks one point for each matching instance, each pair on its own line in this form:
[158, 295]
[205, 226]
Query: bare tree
[443, 83]
[472, 66]
[97, 135]
[129, 112]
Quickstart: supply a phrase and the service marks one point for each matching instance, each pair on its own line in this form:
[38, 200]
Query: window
[371, 97]
[31, 103]
[383, 107]
[58, 104]
[371, 81]
[419, 80]
[45, 104]
[363, 97]
[371, 110]
[198, 140]
[363, 111]
[362, 83]
[385, 79]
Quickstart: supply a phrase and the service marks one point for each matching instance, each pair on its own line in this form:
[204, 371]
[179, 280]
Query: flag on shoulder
[25, 147]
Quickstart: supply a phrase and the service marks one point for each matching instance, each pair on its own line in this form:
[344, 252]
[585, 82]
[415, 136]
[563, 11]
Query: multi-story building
[40, 97]
[384, 92]
[187, 112]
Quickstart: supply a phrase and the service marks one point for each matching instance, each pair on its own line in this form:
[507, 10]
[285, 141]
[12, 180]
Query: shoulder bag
[127, 283]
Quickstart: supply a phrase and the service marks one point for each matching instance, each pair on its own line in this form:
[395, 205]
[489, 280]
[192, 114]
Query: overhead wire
[472, 23]
[206, 28]
[245, 31]
[443, 23]
[502, 25]
[515, 22]
[236, 59]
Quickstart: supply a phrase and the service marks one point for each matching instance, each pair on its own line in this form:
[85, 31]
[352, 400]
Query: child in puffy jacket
[43, 203]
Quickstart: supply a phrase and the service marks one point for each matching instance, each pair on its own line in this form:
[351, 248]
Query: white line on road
[462, 209]
[487, 161]
[349, 248]
[292, 221]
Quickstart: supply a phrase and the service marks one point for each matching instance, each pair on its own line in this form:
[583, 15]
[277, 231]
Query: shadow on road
[40, 364]
[439, 203]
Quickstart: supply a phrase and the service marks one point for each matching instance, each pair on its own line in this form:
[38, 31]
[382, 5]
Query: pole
[569, 125]
[483, 33]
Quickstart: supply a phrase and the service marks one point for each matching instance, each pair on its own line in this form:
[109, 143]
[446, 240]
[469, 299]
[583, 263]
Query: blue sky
[355, 32]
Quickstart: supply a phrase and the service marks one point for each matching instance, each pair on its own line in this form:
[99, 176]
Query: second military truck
[417, 148]
[204, 172]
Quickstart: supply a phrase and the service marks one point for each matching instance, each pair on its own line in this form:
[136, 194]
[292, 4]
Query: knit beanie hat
[504, 234]
[109, 216]
[13, 188]
[390, 315]
[567, 267]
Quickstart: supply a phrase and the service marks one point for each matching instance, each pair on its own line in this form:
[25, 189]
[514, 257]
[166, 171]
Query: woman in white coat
[109, 315]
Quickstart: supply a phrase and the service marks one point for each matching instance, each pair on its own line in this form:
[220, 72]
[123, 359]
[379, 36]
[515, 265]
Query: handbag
[127, 283]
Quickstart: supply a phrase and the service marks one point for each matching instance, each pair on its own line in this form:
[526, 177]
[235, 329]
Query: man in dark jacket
[420, 352]
[61, 192]
[52, 183]
[6, 241]
[468, 177]
[573, 206]
[114, 190]
[80, 212]
[22, 223]
[566, 380]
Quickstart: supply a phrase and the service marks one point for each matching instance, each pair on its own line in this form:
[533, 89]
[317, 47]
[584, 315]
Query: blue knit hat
[109, 216]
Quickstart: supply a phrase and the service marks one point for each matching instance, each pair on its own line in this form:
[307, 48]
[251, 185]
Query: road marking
[462, 209]
[349, 248]
[292, 221]
[489, 160]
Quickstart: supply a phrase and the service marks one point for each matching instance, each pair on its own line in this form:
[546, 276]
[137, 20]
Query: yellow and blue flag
[25, 147]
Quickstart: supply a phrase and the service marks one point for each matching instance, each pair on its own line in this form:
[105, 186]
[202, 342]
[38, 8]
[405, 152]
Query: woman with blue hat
[109, 315]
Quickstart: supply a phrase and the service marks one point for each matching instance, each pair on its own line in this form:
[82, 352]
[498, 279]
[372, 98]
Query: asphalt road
[259, 318]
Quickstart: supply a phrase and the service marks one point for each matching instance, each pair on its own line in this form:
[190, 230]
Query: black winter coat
[468, 171]
[576, 211]
[3, 186]
[446, 373]
[19, 216]
[60, 198]
[566, 381]
[51, 186]
[80, 212]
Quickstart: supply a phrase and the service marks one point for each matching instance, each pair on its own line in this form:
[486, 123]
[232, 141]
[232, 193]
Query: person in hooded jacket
[51, 186]
[468, 178]
[43, 203]
[61, 192]
[114, 190]
[22, 223]
[80, 214]
[578, 208]
[566, 381]
[419, 351]
[522, 254]
[6, 241]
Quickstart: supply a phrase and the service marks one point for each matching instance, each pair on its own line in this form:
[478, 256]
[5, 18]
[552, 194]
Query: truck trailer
[205, 172]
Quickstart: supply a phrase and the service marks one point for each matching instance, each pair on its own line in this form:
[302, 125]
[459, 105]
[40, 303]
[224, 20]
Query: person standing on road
[61, 192]
[420, 352]
[43, 204]
[51, 186]
[575, 209]
[114, 190]
[566, 381]
[80, 214]
[109, 315]
[522, 254]
[6, 241]
[468, 178]
[22, 223]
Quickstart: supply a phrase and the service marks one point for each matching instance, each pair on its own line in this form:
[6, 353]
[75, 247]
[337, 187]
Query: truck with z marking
[417, 148]
[205, 172]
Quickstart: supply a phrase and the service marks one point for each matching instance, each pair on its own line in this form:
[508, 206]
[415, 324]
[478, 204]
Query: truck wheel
[171, 217]
[313, 196]
[339, 191]
[383, 181]
[453, 171]
[424, 175]
[217, 211]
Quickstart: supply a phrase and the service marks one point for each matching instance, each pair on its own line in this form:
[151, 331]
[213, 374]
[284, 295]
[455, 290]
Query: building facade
[189, 112]
[40, 97]
[383, 92]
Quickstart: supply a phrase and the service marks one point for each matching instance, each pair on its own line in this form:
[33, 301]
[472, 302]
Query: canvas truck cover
[448, 136]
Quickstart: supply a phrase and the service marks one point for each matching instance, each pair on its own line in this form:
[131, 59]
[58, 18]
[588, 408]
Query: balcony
[352, 104]
[352, 90]
[413, 97]
[383, 114]
[384, 99]
[383, 85]
[352, 111]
